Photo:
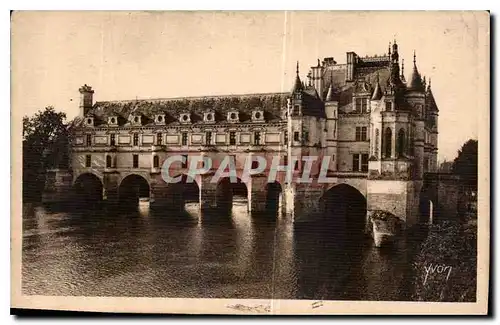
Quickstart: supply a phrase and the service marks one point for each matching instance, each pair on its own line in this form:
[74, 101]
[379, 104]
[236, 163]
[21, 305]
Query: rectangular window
[89, 140]
[108, 161]
[296, 109]
[296, 136]
[156, 161]
[285, 160]
[361, 133]
[358, 105]
[136, 139]
[355, 162]
[159, 138]
[112, 139]
[135, 161]
[88, 161]
[364, 162]
[256, 138]
[364, 105]
[184, 161]
[184, 140]
[232, 138]
[388, 106]
[208, 138]
[286, 136]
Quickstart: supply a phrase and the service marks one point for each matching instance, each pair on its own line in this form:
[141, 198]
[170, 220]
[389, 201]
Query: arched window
[156, 161]
[401, 143]
[108, 161]
[388, 143]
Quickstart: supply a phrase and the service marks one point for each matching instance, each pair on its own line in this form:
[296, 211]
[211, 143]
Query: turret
[403, 79]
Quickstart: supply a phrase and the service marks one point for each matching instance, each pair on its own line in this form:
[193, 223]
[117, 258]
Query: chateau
[379, 130]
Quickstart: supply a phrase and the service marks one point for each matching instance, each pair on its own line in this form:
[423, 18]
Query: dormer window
[361, 105]
[233, 116]
[185, 118]
[257, 116]
[89, 121]
[209, 117]
[388, 106]
[136, 119]
[160, 119]
[112, 120]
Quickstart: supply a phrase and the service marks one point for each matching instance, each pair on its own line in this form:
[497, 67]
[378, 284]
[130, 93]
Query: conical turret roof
[416, 82]
[298, 86]
[329, 95]
[377, 93]
[431, 102]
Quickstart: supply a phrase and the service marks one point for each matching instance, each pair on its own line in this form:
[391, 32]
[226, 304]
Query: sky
[128, 55]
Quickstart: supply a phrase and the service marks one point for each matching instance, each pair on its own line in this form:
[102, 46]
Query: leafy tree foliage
[465, 165]
[45, 146]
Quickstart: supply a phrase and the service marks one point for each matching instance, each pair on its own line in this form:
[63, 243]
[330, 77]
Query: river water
[149, 254]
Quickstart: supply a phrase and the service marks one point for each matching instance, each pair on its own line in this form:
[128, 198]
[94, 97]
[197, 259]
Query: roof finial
[414, 58]
[389, 48]
[319, 63]
[297, 68]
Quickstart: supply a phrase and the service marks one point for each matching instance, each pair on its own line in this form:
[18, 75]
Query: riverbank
[445, 266]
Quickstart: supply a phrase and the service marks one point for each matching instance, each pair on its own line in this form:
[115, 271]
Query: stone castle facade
[379, 131]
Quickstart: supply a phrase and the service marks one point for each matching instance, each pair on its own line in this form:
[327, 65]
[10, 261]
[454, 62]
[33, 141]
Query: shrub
[452, 249]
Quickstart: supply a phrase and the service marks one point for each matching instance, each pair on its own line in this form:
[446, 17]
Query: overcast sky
[153, 54]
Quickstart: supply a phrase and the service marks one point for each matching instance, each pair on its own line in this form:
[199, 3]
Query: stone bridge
[438, 196]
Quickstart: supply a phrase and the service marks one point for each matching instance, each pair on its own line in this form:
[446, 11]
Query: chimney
[86, 99]
[351, 65]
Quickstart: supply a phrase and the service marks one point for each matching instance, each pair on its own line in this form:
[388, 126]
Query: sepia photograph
[260, 162]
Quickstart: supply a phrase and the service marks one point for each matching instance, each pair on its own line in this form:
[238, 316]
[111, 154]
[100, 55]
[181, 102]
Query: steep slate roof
[364, 73]
[431, 102]
[416, 82]
[271, 103]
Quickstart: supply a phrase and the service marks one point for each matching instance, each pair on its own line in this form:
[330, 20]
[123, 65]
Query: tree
[465, 165]
[45, 145]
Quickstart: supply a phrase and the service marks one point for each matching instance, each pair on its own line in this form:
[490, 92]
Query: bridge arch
[230, 190]
[88, 189]
[187, 190]
[132, 188]
[427, 206]
[343, 211]
[274, 198]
